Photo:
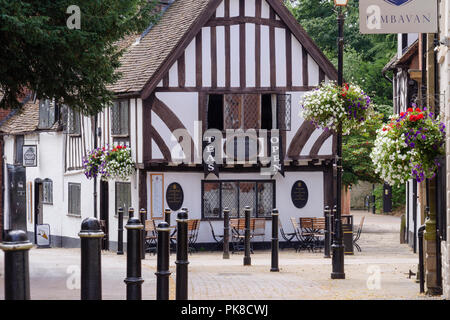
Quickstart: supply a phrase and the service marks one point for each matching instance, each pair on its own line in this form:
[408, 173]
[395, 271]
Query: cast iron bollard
[91, 266]
[182, 257]
[120, 231]
[421, 259]
[134, 280]
[226, 233]
[17, 274]
[274, 267]
[167, 213]
[247, 259]
[143, 214]
[326, 250]
[130, 213]
[162, 267]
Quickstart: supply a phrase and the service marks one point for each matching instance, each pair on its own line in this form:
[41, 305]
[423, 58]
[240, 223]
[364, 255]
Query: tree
[364, 58]
[40, 51]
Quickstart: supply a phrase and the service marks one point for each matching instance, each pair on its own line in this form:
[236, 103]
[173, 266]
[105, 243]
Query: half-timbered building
[237, 67]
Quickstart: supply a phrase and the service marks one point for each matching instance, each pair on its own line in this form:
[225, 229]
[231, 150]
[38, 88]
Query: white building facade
[220, 64]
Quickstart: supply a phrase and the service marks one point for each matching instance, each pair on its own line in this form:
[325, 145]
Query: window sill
[74, 215]
[74, 135]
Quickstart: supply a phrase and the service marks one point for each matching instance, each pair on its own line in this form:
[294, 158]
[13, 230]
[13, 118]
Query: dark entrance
[17, 197]
[38, 208]
[387, 198]
[104, 216]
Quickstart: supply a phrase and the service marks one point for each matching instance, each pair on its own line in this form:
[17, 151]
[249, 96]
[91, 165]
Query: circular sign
[174, 196]
[299, 194]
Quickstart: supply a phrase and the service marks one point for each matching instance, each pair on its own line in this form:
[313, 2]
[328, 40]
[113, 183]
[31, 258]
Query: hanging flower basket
[116, 163]
[93, 163]
[329, 105]
[408, 147]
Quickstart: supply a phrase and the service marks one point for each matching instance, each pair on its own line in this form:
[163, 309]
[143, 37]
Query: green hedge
[398, 197]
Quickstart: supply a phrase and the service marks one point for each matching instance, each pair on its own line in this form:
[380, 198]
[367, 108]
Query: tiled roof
[24, 120]
[142, 60]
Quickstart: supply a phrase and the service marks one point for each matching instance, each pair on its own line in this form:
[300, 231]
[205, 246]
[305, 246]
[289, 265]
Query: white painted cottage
[207, 64]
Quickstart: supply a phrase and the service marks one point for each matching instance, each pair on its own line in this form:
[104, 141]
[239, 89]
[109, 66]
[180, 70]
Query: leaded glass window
[47, 114]
[47, 194]
[74, 199]
[120, 118]
[259, 195]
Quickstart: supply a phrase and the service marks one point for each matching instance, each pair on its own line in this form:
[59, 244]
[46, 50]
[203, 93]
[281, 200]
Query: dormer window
[120, 115]
[47, 114]
[73, 122]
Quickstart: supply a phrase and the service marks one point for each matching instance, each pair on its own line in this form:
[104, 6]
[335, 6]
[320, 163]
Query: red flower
[418, 110]
[402, 114]
[410, 110]
[420, 116]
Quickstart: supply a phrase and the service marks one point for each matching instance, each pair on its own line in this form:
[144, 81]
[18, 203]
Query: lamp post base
[338, 262]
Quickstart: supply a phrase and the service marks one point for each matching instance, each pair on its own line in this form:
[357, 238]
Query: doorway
[17, 197]
[104, 213]
[38, 207]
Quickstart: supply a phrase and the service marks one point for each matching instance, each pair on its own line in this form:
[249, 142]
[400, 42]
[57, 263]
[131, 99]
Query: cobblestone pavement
[380, 271]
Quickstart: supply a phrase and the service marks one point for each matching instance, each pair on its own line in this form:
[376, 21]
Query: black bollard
[130, 213]
[274, 267]
[421, 260]
[182, 257]
[91, 266]
[327, 242]
[226, 233]
[162, 266]
[167, 213]
[134, 280]
[17, 275]
[247, 259]
[120, 231]
[143, 214]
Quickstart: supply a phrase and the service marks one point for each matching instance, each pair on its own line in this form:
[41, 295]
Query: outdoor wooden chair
[193, 228]
[286, 236]
[318, 233]
[151, 237]
[302, 243]
[238, 233]
[357, 235]
[218, 238]
[259, 228]
[307, 231]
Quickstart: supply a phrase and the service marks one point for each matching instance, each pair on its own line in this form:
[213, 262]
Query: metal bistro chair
[307, 231]
[193, 228]
[302, 243]
[286, 236]
[358, 234]
[151, 238]
[217, 237]
[238, 233]
[318, 233]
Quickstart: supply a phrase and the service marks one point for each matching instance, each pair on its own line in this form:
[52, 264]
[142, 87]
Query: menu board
[174, 196]
[299, 194]
[157, 195]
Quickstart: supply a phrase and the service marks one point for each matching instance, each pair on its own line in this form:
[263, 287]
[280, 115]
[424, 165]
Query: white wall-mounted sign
[43, 235]
[398, 16]
[30, 156]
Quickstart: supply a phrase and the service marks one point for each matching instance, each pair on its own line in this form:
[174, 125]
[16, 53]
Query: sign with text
[398, 16]
[299, 194]
[29, 156]
[174, 196]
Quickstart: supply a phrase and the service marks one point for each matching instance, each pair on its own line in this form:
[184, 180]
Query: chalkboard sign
[299, 194]
[174, 196]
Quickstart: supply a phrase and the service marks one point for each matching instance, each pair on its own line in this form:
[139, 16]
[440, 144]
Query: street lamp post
[337, 246]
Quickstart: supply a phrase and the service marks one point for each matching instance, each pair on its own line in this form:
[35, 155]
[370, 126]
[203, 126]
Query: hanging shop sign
[398, 16]
[29, 156]
[299, 194]
[174, 196]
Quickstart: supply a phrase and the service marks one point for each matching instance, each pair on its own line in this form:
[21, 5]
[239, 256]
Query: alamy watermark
[374, 279]
[74, 20]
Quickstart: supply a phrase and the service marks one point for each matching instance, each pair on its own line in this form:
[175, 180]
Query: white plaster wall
[280, 56]
[250, 54]
[297, 62]
[234, 56]
[220, 39]
[140, 143]
[265, 56]
[250, 8]
[313, 72]
[234, 8]
[206, 56]
[265, 10]
[173, 75]
[220, 11]
[189, 60]
[191, 184]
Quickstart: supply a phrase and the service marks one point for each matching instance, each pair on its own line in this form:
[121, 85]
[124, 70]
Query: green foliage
[398, 197]
[74, 66]
[356, 148]
[364, 58]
